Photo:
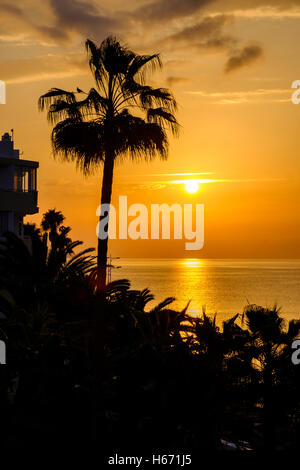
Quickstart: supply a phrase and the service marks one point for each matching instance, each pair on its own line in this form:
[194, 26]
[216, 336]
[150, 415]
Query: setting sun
[192, 186]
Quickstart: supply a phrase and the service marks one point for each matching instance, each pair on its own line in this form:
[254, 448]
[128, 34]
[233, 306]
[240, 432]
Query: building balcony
[19, 201]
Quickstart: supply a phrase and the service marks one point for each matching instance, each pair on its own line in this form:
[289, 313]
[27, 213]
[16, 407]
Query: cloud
[26, 26]
[208, 34]
[205, 34]
[83, 18]
[174, 81]
[11, 9]
[42, 67]
[165, 10]
[243, 57]
[246, 96]
[51, 32]
[176, 64]
[56, 20]
[267, 12]
[280, 4]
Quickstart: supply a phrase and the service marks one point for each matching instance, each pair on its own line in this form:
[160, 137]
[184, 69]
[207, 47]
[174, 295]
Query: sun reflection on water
[192, 263]
[191, 270]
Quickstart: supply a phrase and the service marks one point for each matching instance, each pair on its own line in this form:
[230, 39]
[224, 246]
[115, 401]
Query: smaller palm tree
[52, 219]
[271, 343]
[30, 275]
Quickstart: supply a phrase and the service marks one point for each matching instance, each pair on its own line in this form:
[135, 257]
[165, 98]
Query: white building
[18, 187]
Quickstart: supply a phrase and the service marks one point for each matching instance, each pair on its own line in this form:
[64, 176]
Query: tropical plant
[30, 275]
[44, 290]
[270, 341]
[51, 221]
[101, 128]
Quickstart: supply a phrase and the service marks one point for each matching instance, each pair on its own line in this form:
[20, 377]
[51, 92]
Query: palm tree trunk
[107, 181]
[269, 435]
[98, 308]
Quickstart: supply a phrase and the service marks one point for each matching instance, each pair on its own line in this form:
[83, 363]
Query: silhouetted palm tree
[31, 275]
[271, 344]
[51, 221]
[61, 244]
[100, 128]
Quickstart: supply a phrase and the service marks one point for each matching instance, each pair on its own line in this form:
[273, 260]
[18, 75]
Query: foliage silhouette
[167, 380]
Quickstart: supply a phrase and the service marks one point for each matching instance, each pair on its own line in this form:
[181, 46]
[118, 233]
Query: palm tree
[51, 221]
[100, 128]
[31, 276]
[271, 342]
[61, 244]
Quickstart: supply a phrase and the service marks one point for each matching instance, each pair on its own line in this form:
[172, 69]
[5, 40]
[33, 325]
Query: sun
[192, 186]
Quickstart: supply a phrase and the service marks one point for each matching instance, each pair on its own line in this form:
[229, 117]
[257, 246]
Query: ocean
[221, 286]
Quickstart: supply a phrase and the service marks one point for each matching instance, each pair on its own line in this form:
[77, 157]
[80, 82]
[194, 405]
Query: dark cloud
[29, 26]
[83, 17]
[69, 16]
[177, 63]
[243, 57]
[52, 32]
[205, 34]
[10, 9]
[174, 81]
[243, 5]
[218, 43]
[164, 10]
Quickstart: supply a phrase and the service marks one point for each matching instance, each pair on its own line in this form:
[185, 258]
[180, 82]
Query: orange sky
[231, 69]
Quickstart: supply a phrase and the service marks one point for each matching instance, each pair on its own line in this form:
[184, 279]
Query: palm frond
[139, 139]
[45, 101]
[96, 64]
[163, 304]
[141, 65]
[82, 142]
[160, 97]
[80, 265]
[163, 117]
